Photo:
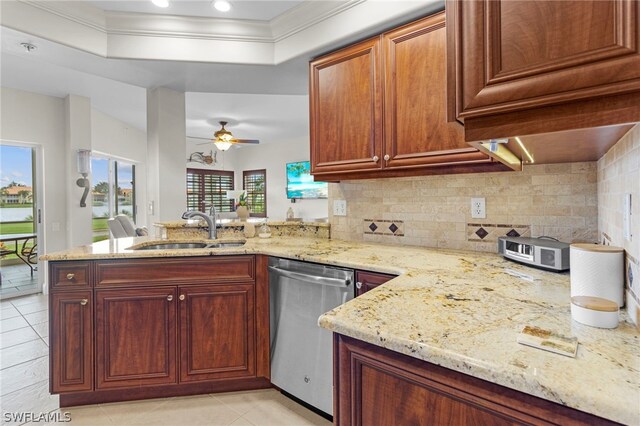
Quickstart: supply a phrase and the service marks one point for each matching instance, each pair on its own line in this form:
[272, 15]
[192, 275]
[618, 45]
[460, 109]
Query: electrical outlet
[626, 217]
[339, 207]
[478, 209]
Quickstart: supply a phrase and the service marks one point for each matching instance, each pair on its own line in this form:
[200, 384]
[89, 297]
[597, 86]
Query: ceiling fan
[223, 139]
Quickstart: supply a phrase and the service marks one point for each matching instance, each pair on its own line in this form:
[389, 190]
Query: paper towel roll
[597, 271]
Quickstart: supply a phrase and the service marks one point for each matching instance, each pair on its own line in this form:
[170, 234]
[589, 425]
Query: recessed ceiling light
[222, 5]
[161, 3]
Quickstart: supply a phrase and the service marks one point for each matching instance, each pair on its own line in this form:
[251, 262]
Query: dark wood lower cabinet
[375, 386]
[71, 337]
[366, 281]
[135, 337]
[118, 336]
[217, 332]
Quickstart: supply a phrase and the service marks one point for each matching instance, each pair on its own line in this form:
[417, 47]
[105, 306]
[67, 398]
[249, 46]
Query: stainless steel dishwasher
[301, 351]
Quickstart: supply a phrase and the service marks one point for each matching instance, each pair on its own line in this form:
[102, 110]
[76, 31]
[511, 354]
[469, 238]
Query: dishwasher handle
[335, 282]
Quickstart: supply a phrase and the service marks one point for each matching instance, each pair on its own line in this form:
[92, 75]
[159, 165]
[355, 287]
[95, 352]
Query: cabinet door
[217, 332]
[366, 281]
[514, 55]
[416, 130]
[375, 386]
[135, 337]
[71, 342]
[346, 110]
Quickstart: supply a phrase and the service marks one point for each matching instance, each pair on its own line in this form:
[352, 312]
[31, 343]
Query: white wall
[165, 151]
[32, 118]
[38, 119]
[274, 157]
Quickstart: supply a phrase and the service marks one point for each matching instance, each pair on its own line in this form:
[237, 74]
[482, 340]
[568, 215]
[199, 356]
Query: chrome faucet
[210, 219]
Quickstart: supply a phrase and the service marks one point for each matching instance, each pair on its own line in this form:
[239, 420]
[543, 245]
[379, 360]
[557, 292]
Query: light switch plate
[478, 208]
[339, 207]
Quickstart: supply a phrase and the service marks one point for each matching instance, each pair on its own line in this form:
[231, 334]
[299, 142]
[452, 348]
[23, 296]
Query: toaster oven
[537, 252]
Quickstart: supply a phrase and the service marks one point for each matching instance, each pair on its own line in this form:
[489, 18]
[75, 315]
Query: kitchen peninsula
[459, 310]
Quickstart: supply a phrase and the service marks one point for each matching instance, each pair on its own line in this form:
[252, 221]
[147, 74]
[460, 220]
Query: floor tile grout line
[24, 362]
[18, 390]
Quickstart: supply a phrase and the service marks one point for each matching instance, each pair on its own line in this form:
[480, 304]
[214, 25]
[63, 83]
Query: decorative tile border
[393, 228]
[484, 232]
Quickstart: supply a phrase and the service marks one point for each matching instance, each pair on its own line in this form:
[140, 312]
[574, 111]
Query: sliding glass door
[19, 221]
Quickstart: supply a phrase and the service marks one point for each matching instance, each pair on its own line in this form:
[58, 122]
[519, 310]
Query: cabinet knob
[386, 157]
[70, 276]
[182, 297]
[84, 302]
[376, 158]
[358, 285]
[170, 298]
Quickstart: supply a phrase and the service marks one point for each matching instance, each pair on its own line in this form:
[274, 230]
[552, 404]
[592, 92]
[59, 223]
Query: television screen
[300, 183]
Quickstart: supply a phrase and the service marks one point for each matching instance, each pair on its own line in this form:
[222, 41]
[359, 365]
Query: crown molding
[306, 15]
[74, 11]
[128, 35]
[139, 24]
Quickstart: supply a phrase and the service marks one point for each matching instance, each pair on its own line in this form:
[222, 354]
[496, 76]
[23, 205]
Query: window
[112, 192]
[206, 187]
[255, 183]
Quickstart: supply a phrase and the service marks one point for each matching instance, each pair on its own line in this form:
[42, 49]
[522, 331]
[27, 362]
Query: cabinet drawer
[70, 275]
[175, 270]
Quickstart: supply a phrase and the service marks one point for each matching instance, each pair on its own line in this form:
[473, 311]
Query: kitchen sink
[184, 246]
[173, 246]
[226, 244]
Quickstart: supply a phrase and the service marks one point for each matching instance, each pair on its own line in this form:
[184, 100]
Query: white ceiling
[117, 86]
[269, 118]
[263, 10]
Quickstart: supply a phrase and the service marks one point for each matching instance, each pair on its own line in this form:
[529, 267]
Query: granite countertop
[461, 310]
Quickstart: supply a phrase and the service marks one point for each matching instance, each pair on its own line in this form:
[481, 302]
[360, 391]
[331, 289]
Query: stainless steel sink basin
[172, 246]
[226, 244]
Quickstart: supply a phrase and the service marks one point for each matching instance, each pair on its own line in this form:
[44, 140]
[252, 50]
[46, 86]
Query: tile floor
[17, 280]
[24, 386]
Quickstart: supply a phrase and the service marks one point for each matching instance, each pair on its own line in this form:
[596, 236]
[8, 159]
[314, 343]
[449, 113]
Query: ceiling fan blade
[204, 143]
[196, 137]
[254, 141]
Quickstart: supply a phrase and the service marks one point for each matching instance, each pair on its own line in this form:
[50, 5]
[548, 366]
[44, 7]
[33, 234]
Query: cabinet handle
[358, 285]
[376, 158]
[386, 157]
[169, 298]
[182, 297]
[70, 276]
[84, 302]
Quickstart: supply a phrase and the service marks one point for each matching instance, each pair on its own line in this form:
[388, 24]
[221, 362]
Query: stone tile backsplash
[619, 173]
[557, 200]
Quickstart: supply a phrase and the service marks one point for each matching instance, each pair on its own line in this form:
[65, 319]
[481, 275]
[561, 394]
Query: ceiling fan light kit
[222, 145]
[223, 139]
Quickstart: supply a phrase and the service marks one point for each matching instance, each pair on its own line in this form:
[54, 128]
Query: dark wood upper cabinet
[217, 332]
[379, 109]
[416, 131]
[71, 339]
[366, 281]
[524, 62]
[136, 337]
[346, 110]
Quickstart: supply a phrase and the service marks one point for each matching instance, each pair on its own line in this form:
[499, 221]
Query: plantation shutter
[255, 184]
[206, 187]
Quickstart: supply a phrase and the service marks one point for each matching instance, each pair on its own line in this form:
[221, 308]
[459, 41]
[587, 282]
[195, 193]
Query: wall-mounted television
[300, 183]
